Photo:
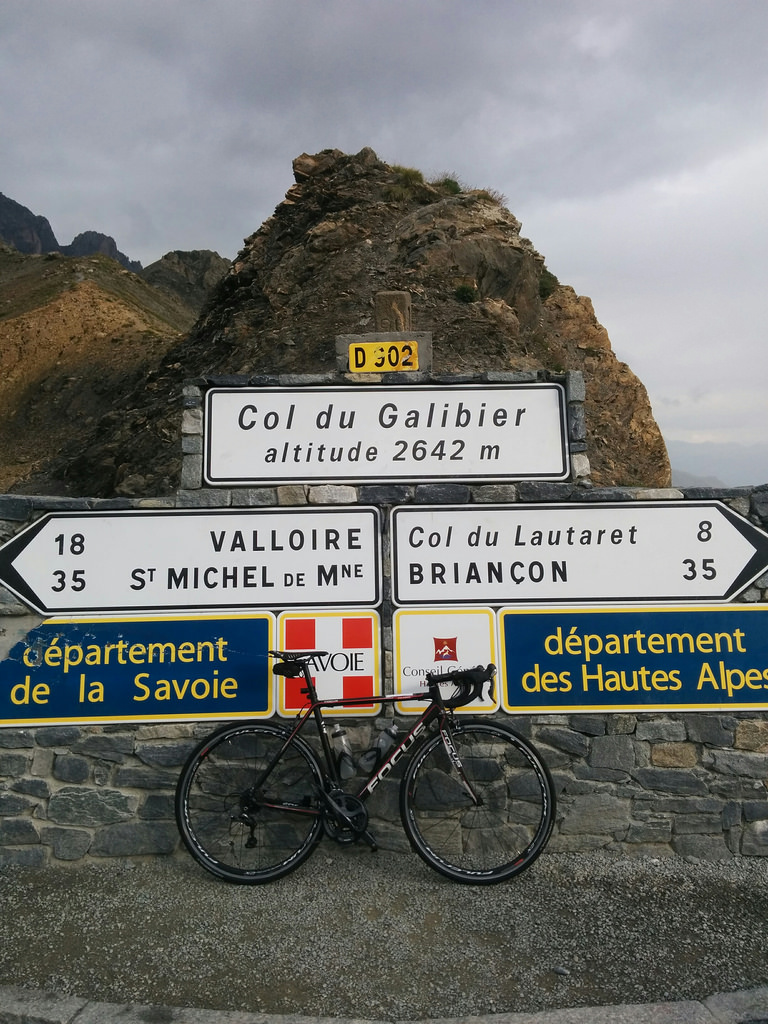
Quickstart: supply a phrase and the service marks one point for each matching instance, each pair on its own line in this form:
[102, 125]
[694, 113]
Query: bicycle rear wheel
[488, 825]
[238, 823]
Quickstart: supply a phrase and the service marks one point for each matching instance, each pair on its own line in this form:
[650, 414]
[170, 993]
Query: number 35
[708, 571]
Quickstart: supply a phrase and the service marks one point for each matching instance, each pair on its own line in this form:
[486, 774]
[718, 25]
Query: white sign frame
[165, 560]
[567, 553]
[475, 432]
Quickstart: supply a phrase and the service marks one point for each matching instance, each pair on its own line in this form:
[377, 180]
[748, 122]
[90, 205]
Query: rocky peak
[31, 234]
[352, 226]
[191, 275]
[25, 231]
[92, 243]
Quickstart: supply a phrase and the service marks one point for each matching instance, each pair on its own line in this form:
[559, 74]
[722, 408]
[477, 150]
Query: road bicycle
[476, 799]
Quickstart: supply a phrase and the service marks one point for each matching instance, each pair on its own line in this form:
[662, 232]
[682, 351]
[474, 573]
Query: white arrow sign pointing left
[136, 560]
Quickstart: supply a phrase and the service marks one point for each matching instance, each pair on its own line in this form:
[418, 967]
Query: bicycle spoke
[496, 833]
[238, 828]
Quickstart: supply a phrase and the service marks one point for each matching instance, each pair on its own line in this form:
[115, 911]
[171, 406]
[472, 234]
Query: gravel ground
[352, 934]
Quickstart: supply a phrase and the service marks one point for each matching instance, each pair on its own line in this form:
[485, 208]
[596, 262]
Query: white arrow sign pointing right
[645, 551]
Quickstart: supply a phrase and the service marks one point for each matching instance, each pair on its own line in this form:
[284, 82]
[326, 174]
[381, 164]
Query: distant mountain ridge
[718, 464]
[32, 234]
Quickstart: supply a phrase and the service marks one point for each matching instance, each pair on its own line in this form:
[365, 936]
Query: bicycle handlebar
[469, 683]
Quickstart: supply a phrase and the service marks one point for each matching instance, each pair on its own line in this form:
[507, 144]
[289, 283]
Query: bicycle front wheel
[246, 812]
[483, 812]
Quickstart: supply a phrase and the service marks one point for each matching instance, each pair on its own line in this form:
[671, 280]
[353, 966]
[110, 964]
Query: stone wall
[664, 784]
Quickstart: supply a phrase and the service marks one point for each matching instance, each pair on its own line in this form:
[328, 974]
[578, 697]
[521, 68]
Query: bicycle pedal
[371, 841]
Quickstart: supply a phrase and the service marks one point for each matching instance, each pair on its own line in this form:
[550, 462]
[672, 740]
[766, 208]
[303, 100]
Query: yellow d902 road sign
[383, 356]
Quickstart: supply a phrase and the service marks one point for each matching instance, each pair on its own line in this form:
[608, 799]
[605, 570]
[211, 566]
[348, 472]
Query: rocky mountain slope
[74, 334]
[349, 227]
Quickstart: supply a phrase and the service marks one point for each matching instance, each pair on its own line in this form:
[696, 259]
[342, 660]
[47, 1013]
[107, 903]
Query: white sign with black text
[475, 432]
[645, 551]
[194, 558]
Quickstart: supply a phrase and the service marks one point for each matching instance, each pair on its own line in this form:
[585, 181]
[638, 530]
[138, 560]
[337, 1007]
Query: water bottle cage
[469, 684]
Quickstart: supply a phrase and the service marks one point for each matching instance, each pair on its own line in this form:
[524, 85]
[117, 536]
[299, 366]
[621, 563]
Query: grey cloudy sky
[629, 136]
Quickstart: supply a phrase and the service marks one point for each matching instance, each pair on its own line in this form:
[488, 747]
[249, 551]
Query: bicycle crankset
[346, 818]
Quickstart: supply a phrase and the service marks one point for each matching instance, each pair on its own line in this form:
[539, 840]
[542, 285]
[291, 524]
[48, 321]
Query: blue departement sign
[151, 669]
[635, 658]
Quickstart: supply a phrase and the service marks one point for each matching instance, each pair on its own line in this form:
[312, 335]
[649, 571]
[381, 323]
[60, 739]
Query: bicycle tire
[489, 842]
[227, 828]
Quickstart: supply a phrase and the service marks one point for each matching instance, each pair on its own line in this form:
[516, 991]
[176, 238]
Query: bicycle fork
[453, 756]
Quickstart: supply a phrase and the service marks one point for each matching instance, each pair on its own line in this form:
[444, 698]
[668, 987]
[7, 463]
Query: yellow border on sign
[414, 707]
[548, 709]
[363, 711]
[149, 719]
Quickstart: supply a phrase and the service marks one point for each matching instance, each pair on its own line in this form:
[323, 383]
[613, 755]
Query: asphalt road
[380, 936]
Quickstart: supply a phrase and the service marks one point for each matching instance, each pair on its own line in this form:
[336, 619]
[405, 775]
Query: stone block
[292, 494]
[24, 857]
[164, 755]
[704, 824]
[731, 762]
[67, 843]
[332, 494]
[191, 444]
[661, 730]
[81, 806]
[192, 471]
[590, 725]
[752, 735]
[580, 467]
[670, 780]
[15, 508]
[158, 807]
[575, 386]
[16, 739]
[18, 832]
[756, 810]
[697, 847]
[385, 494]
[134, 839]
[254, 497]
[754, 842]
[192, 421]
[577, 425]
[57, 735]
[598, 814]
[494, 494]
[710, 729]
[650, 831]
[71, 768]
[614, 752]
[674, 755]
[32, 787]
[11, 803]
[13, 765]
[565, 739]
[105, 746]
[442, 494]
[134, 777]
[204, 497]
[533, 490]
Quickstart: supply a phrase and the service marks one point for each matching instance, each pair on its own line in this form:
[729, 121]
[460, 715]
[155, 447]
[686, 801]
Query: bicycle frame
[315, 710]
[315, 707]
